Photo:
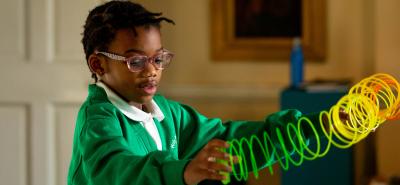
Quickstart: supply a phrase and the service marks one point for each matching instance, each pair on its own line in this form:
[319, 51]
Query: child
[125, 133]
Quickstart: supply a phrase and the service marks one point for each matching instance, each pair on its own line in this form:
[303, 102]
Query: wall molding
[221, 92]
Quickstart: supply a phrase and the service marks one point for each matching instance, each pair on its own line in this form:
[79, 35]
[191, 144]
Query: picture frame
[226, 45]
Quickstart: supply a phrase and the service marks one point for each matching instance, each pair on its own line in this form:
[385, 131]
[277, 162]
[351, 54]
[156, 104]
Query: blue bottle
[296, 64]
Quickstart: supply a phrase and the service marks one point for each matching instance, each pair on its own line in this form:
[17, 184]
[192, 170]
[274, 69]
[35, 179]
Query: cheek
[159, 74]
[120, 74]
[128, 78]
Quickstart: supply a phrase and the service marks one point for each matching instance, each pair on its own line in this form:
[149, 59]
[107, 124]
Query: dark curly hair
[105, 20]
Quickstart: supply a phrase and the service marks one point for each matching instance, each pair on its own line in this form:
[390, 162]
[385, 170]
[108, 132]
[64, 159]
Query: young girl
[126, 133]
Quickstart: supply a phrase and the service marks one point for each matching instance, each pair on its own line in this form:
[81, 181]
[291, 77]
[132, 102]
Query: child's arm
[196, 130]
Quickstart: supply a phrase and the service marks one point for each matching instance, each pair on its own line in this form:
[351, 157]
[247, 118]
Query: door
[44, 80]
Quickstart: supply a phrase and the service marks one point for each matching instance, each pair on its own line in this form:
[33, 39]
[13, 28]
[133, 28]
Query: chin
[145, 99]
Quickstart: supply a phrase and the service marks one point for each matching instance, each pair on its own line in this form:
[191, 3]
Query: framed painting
[264, 29]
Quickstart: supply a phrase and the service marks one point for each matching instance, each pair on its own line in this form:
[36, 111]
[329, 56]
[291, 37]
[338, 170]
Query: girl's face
[134, 87]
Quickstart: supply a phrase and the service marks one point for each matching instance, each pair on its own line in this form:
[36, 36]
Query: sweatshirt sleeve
[196, 130]
[107, 159]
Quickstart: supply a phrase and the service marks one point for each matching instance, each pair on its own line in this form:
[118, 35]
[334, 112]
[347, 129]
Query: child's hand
[343, 116]
[205, 166]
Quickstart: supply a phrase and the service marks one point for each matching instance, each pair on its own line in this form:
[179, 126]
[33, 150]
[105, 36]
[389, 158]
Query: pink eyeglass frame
[148, 59]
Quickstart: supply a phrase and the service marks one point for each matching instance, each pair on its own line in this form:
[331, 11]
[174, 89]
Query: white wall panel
[65, 117]
[13, 144]
[12, 37]
[68, 23]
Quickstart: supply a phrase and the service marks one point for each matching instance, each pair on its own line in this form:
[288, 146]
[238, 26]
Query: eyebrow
[139, 51]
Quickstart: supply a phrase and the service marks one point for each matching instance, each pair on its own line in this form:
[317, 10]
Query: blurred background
[44, 78]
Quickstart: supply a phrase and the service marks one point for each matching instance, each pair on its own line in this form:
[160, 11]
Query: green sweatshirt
[109, 148]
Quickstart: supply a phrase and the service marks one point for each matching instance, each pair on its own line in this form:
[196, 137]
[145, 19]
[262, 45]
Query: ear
[96, 64]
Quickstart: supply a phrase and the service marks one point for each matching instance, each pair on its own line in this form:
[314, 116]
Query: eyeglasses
[137, 63]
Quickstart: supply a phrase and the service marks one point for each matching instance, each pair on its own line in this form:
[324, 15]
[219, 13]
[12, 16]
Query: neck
[137, 105]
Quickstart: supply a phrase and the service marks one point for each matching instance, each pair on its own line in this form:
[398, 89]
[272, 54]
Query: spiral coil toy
[367, 105]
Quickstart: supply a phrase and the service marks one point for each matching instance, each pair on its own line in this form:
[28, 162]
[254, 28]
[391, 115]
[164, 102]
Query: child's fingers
[213, 175]
[235, 159]
[219, 154]
[343, 115]
[218, 167]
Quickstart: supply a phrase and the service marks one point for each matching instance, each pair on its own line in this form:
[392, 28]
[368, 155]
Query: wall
[44, 81]
[363, 38]
[44, 78]
[387, 48]
[194, 73]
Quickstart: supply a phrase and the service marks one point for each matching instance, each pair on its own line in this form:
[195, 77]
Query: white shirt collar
[130, 111]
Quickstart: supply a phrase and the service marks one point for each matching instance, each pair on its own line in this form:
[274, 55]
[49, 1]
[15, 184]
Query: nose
[149, 70]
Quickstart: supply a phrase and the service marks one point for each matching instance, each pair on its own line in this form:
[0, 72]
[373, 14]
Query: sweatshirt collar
[130, 111]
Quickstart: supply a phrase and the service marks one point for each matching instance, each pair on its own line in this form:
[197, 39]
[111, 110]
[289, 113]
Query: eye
[159, 59]
[163, 58]
[136, 61]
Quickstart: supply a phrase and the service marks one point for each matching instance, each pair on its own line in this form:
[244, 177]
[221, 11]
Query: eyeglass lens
[161, 61]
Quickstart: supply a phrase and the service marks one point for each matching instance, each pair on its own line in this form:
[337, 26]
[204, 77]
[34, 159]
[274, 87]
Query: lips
[148, 87]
